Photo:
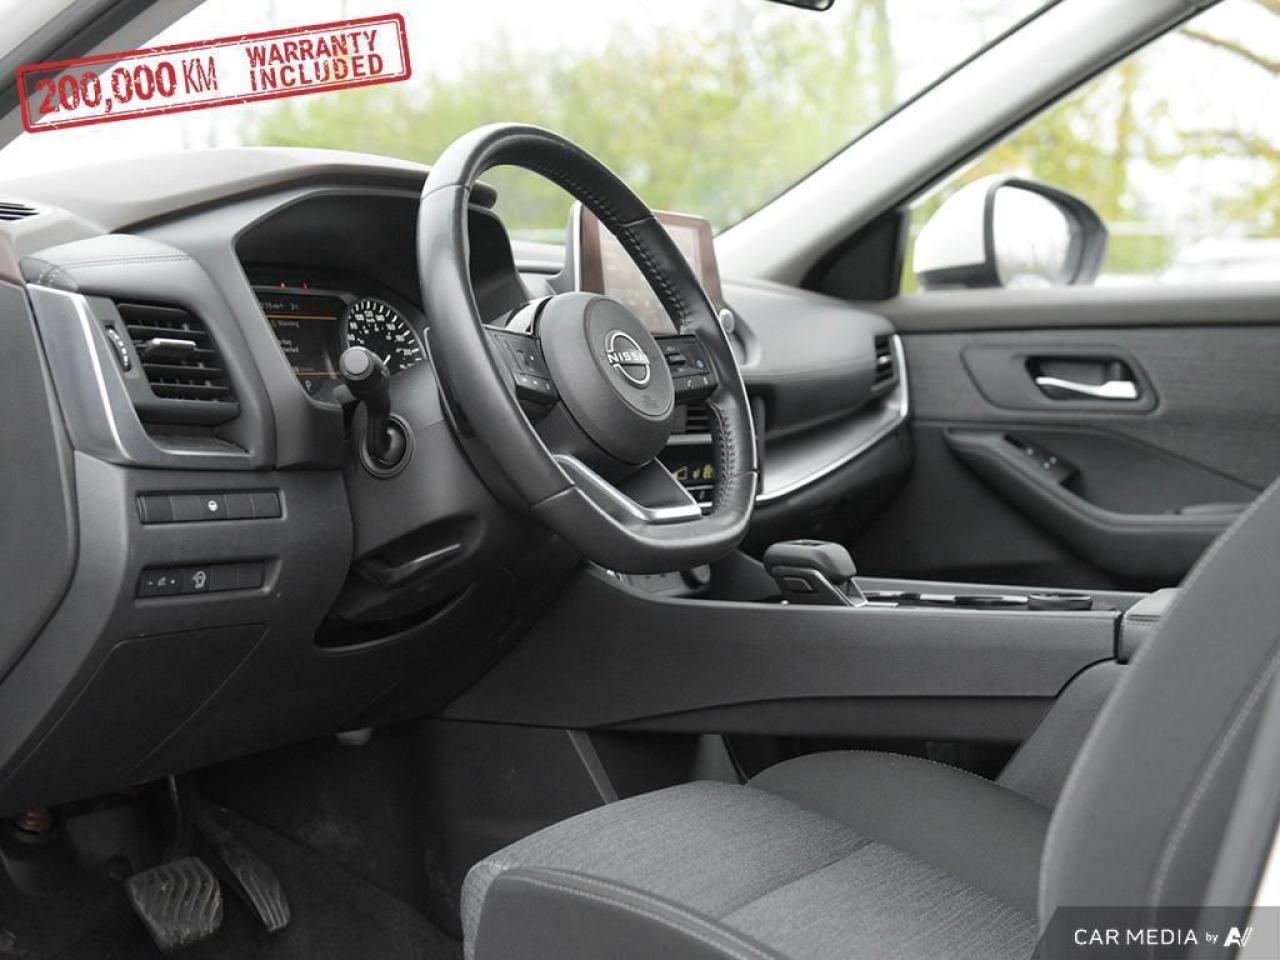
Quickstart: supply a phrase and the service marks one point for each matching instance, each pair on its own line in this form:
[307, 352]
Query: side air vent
[12, 210]
[181, 364]
[886, 371]
[696, 419]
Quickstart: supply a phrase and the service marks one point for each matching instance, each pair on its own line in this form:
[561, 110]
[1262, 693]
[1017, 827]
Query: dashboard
[221, 575]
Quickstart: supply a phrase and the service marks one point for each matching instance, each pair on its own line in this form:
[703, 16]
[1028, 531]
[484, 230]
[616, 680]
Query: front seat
[845, 855]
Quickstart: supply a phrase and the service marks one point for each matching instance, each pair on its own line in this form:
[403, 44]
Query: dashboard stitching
[640, 250]
[626, 231]
[728, 459]
[111, 261]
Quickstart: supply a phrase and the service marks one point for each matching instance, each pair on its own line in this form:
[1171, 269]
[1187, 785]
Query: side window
[1177, 149]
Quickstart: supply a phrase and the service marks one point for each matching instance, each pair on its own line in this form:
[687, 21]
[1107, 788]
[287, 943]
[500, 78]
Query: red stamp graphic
[214, 73]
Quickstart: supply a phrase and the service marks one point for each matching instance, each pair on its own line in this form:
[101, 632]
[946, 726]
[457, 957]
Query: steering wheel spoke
[649, 495]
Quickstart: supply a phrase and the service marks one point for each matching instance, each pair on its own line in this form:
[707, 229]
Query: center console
[726, 650]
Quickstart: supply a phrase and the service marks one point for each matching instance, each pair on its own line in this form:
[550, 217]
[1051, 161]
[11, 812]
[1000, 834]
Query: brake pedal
[180, 902]
[251, 877]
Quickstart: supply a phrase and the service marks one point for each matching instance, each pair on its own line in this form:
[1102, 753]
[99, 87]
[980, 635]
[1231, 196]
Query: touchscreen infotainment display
[604, 266]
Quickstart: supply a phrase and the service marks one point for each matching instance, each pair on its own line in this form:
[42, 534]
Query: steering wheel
[575, 399]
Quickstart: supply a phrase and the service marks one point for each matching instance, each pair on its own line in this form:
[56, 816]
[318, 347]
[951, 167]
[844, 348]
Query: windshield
[707, 106]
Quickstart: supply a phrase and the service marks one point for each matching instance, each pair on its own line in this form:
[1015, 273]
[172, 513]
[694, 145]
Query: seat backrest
[1146, 804]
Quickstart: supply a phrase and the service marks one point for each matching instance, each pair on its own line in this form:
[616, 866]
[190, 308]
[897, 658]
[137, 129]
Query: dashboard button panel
[159, 583]
[197, 507]
[206, 578]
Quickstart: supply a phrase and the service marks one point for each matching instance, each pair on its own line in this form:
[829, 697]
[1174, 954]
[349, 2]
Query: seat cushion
[976, 830]
[807, 862]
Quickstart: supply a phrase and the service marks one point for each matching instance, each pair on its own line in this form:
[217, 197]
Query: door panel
[1052, 449]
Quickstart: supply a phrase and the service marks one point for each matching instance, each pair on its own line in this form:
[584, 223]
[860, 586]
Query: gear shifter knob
[814, 572]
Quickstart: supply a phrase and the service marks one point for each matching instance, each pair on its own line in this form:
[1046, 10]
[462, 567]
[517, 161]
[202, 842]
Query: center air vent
[181, 363]
[12, 210]
[695, 419]
[886, 371]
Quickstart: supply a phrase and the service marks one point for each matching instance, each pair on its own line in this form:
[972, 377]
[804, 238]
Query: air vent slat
[189, 391]
[12, 210]
[885, 371]
[166, 371]
[192, 374]
[696, 419]
[143, 331]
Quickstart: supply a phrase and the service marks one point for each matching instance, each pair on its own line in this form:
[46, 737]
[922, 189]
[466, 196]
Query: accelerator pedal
[180, 902]
[250, 876]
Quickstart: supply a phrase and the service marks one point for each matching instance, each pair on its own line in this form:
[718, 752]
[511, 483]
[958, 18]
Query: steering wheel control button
[522, 356]
[690, 370]
[538, 389]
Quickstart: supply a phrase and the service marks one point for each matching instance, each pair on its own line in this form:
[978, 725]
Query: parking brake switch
[814, 572]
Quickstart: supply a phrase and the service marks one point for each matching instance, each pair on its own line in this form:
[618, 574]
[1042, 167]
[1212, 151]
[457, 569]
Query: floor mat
[336, 916]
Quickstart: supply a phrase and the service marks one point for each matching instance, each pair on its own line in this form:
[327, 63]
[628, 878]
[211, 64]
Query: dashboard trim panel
[100, 418]
[899, 395]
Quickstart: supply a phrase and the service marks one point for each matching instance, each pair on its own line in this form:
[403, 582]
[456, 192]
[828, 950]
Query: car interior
[380, 584]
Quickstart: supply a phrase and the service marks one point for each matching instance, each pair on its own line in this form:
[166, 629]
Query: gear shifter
[814, 572]
[367, 378]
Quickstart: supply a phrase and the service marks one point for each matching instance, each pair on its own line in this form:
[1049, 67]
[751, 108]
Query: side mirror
[1008, 232]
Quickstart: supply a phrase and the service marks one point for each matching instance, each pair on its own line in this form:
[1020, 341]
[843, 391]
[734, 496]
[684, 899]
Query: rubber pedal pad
[252, 878]
[180, 902]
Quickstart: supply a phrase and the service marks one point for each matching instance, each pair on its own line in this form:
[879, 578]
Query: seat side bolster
[537, 913]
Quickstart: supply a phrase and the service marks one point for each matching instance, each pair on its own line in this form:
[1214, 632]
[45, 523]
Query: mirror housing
[1010, 232]
[808, 4]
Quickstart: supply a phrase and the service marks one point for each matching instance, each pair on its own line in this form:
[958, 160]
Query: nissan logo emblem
[625, 356]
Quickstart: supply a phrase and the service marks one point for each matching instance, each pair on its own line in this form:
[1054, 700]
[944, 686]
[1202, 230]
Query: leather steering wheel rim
[475, 385]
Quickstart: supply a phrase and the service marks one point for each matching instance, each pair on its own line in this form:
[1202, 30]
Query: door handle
[1060, 389]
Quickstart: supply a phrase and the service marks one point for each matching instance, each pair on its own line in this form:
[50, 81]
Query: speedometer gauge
[378, 326]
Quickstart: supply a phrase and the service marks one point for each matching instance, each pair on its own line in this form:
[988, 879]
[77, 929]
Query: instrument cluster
[313, 326]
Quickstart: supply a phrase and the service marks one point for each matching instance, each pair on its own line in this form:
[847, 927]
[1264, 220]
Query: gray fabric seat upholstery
[866, 855]
[829, 856]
